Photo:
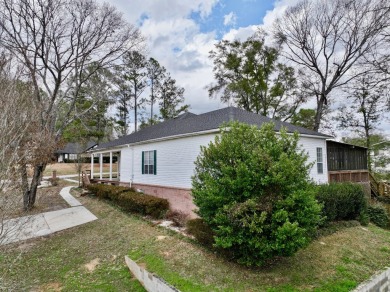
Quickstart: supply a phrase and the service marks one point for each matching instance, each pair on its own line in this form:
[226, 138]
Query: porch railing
[349, 175]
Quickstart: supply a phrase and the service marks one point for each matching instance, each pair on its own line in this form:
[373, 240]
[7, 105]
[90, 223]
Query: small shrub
[53, 181]
[342, 201]
[201, 231]
[143, 204]
[107, 191]
[384, 199]
[130, 201]
[178, 218]
[378, 215]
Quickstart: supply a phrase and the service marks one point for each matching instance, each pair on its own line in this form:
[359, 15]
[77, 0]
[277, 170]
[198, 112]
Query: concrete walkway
[27, 227]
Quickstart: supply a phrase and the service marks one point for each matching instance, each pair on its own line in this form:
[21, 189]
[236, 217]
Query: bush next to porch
[144, 204]
[131, 201]
[107, 191]
[343, 201]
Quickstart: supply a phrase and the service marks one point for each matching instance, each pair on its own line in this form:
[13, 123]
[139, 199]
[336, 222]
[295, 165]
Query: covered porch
[108, 170]
[346, 162]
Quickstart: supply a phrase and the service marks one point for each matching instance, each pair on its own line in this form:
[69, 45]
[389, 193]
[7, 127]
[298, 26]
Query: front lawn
[71, 168]
[91, 258]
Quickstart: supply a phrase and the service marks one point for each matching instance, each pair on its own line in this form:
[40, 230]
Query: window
[320, 162]
[149, 162]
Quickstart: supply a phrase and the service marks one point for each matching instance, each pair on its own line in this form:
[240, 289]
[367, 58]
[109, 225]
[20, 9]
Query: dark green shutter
[155, 162]
[143, 168]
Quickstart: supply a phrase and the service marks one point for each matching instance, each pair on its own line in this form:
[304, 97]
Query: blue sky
[233, 14]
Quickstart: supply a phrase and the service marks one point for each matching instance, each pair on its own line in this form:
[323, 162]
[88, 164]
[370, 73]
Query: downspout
[132, 166]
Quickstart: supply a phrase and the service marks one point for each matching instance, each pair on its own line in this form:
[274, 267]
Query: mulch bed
[48, 199]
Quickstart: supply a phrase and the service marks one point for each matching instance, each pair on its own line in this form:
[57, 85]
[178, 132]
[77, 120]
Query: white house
[160, 159]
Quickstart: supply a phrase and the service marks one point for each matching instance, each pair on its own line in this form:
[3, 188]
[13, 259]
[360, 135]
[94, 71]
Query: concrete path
[27, 227]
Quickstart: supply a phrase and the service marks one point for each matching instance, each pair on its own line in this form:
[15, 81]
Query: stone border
[151, 282]
[379, 282]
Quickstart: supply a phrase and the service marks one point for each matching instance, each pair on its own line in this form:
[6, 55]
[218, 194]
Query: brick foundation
[179, 199]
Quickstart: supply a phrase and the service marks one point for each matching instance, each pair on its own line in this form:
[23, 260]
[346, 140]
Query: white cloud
[230, 19]
[175, 40]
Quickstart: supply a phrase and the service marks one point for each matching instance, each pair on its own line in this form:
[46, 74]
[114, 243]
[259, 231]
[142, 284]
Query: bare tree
[326, 38]
[56, 40]
[366, 107]
[14, 132]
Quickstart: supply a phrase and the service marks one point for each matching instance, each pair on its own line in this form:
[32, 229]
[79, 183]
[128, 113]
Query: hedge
[342, 201]
[107, 191]
[378, 215]
[131, 201]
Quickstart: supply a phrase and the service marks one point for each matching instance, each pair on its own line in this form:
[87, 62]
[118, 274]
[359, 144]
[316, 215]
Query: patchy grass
[335, 262]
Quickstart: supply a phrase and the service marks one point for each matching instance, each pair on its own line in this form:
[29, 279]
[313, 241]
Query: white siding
[175, 160]
[310, 145]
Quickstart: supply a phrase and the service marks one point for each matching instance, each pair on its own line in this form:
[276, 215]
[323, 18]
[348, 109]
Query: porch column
[101, 165]
[110, 165]
[92, 166]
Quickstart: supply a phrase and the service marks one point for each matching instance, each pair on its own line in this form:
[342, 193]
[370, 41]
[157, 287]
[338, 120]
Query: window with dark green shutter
[149, 162]
[320, 162]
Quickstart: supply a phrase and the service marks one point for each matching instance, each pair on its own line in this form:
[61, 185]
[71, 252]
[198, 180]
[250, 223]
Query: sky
[181, 33]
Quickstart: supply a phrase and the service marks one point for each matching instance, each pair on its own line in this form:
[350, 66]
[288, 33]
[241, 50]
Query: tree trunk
[368, 145]
[319, 112]
[135, 108]
[30, 191]
[151, 104]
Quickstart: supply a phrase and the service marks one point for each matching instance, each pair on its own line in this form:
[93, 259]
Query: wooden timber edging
[151, 282]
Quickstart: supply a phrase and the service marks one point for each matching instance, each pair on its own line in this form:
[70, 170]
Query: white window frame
[320, 160]
[148, 165]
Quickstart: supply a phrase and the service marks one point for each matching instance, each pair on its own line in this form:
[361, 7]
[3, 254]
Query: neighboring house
[160, 159]
[72, 150]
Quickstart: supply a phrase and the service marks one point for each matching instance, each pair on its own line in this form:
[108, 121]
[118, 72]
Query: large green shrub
[342, 201]
[252, 188]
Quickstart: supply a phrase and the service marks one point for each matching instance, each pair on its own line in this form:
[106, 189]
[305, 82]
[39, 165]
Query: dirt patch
[48, 199]
[161, 237]
[91, 266]
[55, 287]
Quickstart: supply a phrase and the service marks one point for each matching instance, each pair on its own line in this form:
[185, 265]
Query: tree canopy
[250, 75]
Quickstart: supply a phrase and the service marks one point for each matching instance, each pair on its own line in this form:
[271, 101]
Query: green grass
[334, 262]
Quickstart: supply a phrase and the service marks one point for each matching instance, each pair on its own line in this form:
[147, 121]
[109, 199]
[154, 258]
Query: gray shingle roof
[75, 148]
[191, 123]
